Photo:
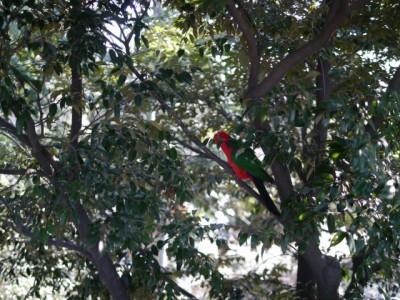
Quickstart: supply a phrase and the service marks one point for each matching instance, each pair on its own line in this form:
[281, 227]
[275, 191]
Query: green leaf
[117, 110]
[323, 206]
[138, 100]
[284, 243]
[20, 124]
[172, 153]
[43, 235]
[350, 243]
[331, 223]
[145, 41]
[243, 236]
[254, 241]
[338, 237]
[184, 77]
[154, 250]
[181, 52]
[121, 80]
[161, 135]
[52, 110]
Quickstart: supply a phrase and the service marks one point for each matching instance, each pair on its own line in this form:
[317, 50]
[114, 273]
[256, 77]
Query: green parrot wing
[245, 159]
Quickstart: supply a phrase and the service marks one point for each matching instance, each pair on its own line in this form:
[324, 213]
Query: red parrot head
[221, 137]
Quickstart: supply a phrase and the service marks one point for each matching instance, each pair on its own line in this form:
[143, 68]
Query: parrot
[246, 166]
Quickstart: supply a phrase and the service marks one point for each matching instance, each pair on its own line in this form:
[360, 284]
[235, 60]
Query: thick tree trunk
[305, 283]
[102, 261]
[326, 271]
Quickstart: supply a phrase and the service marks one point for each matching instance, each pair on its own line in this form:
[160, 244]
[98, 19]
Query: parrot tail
[266, 199]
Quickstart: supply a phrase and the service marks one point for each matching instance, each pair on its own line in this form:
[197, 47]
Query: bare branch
[340, 10]
[249, 36]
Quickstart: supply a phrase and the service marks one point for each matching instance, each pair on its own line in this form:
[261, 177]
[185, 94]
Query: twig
[176, 286]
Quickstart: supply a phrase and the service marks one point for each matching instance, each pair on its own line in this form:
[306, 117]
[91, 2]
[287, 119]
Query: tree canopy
[108, 109]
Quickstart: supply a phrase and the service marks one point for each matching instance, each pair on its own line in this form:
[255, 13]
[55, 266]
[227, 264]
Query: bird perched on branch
[246, 166]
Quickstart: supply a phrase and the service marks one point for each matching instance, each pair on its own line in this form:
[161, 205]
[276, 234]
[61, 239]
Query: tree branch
[177, 287]
[24, 230]
[249, 36]
[337, 16]
[11, 129]
[76, 94]
[31, 140]
[39, 151]
[21, 172]
[190, 147]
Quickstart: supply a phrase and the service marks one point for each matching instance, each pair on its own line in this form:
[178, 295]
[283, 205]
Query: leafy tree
[106, 111]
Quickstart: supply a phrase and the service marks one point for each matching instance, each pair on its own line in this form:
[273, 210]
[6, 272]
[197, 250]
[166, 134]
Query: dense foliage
[107, 110]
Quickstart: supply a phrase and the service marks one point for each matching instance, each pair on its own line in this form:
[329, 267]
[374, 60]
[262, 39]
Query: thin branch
[219, 109]
[24, 230]
[320, 131]
[180, 289]
[13, 171]
[191, 148]
[21, 172]
[249, 36]
[337, 16]
[112, 34]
